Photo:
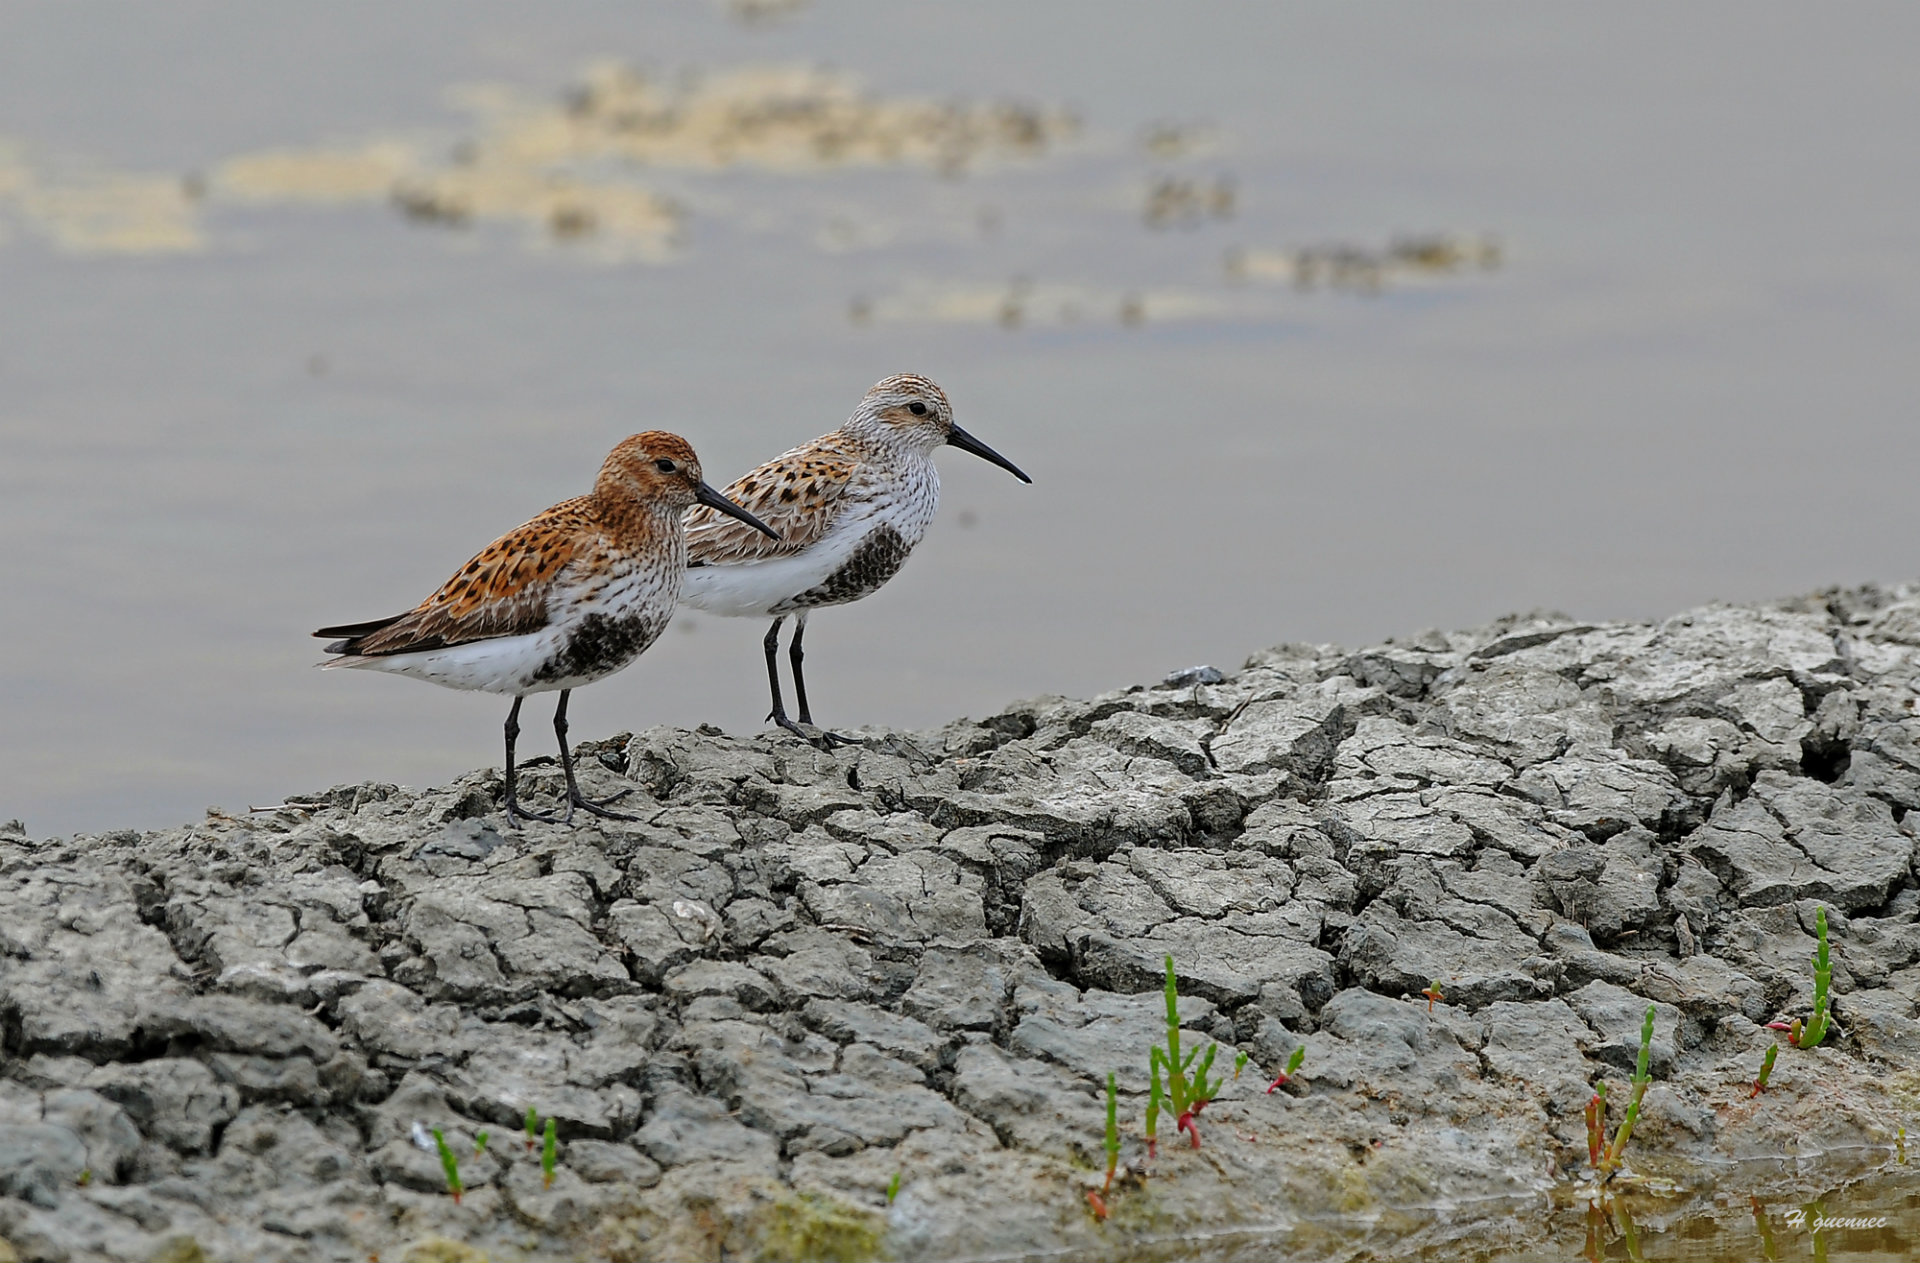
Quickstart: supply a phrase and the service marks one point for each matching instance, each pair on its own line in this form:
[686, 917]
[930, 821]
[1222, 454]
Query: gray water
[1676, 362]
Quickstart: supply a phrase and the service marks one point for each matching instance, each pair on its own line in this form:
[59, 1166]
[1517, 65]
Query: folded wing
[503, 591]
[799, 494]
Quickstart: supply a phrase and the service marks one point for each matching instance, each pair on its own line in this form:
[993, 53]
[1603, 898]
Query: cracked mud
[802, 973]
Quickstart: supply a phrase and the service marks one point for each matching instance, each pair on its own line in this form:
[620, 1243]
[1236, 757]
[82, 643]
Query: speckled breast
[877, 559]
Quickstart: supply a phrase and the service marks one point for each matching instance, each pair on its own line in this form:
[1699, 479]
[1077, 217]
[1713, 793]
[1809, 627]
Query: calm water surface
[1875, 1219]
[241, 395]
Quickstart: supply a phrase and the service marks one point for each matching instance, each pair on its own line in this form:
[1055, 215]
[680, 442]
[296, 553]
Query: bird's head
[660, 470]
[908, 412]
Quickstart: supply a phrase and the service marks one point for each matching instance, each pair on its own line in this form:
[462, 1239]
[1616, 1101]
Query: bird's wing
[503, 591]
[799, 494]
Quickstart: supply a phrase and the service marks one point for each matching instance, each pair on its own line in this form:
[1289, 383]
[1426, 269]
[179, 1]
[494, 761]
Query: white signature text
[1822, 1223]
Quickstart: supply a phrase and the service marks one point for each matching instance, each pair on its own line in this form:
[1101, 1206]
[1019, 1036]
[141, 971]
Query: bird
[850, 506]
[565, 599]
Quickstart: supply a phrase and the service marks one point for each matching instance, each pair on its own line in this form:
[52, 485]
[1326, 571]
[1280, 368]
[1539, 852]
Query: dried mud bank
[804, 973]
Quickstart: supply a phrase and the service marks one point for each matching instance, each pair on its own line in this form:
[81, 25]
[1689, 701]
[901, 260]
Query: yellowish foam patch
[621, 220]
[365, 173]
[779, 118]
[1366, 268]
[98, 211]
[116, 214]
[571, 170]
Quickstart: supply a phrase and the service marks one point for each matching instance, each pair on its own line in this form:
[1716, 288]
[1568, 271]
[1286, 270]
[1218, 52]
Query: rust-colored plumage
[510, 587]
[570, 597]
[503, 591]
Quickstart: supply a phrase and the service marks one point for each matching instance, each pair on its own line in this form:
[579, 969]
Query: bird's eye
[917, 408]
[665, 466]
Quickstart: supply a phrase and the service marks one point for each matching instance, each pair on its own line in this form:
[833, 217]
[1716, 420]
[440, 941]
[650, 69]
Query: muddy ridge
[802, 974]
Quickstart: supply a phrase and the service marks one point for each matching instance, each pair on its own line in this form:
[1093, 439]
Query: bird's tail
[352, 633]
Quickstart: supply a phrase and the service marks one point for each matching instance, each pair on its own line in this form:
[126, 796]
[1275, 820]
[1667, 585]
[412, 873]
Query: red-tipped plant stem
[1766, 1071]
[1293, 1067]
[1596, 1113]
[1188, 1088]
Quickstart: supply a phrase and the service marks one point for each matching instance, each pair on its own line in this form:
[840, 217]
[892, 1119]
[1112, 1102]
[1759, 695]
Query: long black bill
[714, 500]
[967, 443]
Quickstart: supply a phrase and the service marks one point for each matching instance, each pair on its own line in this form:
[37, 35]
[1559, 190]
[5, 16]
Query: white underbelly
[504, 664]
[751, 589]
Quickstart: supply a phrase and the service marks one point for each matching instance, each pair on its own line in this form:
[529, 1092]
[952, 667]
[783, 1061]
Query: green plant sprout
[1098, 1200]
[1816, 1028]
[1432, 993]
[1616, 1152]
[1188, 1089]
[893, 1188]
[533, 1124]
[479, 1144]
[1154, 1098]
[1293, 1067]
[549, 1155]
[1113, 1131]
[1239, 1064]
[1766, 1071]
[449, 1164]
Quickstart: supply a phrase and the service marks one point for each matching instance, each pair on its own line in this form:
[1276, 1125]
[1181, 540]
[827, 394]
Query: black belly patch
[878, 559]
[601, 645]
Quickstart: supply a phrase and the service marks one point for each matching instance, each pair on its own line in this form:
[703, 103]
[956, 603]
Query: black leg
[796, 655]
[779, 713]
[512, 804]
[574, 796]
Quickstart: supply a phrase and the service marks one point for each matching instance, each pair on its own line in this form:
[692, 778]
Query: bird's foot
[817, 737]
[598, 806]
[515, 813]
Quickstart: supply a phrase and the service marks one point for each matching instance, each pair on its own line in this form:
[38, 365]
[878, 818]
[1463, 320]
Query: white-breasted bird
[849, 507]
